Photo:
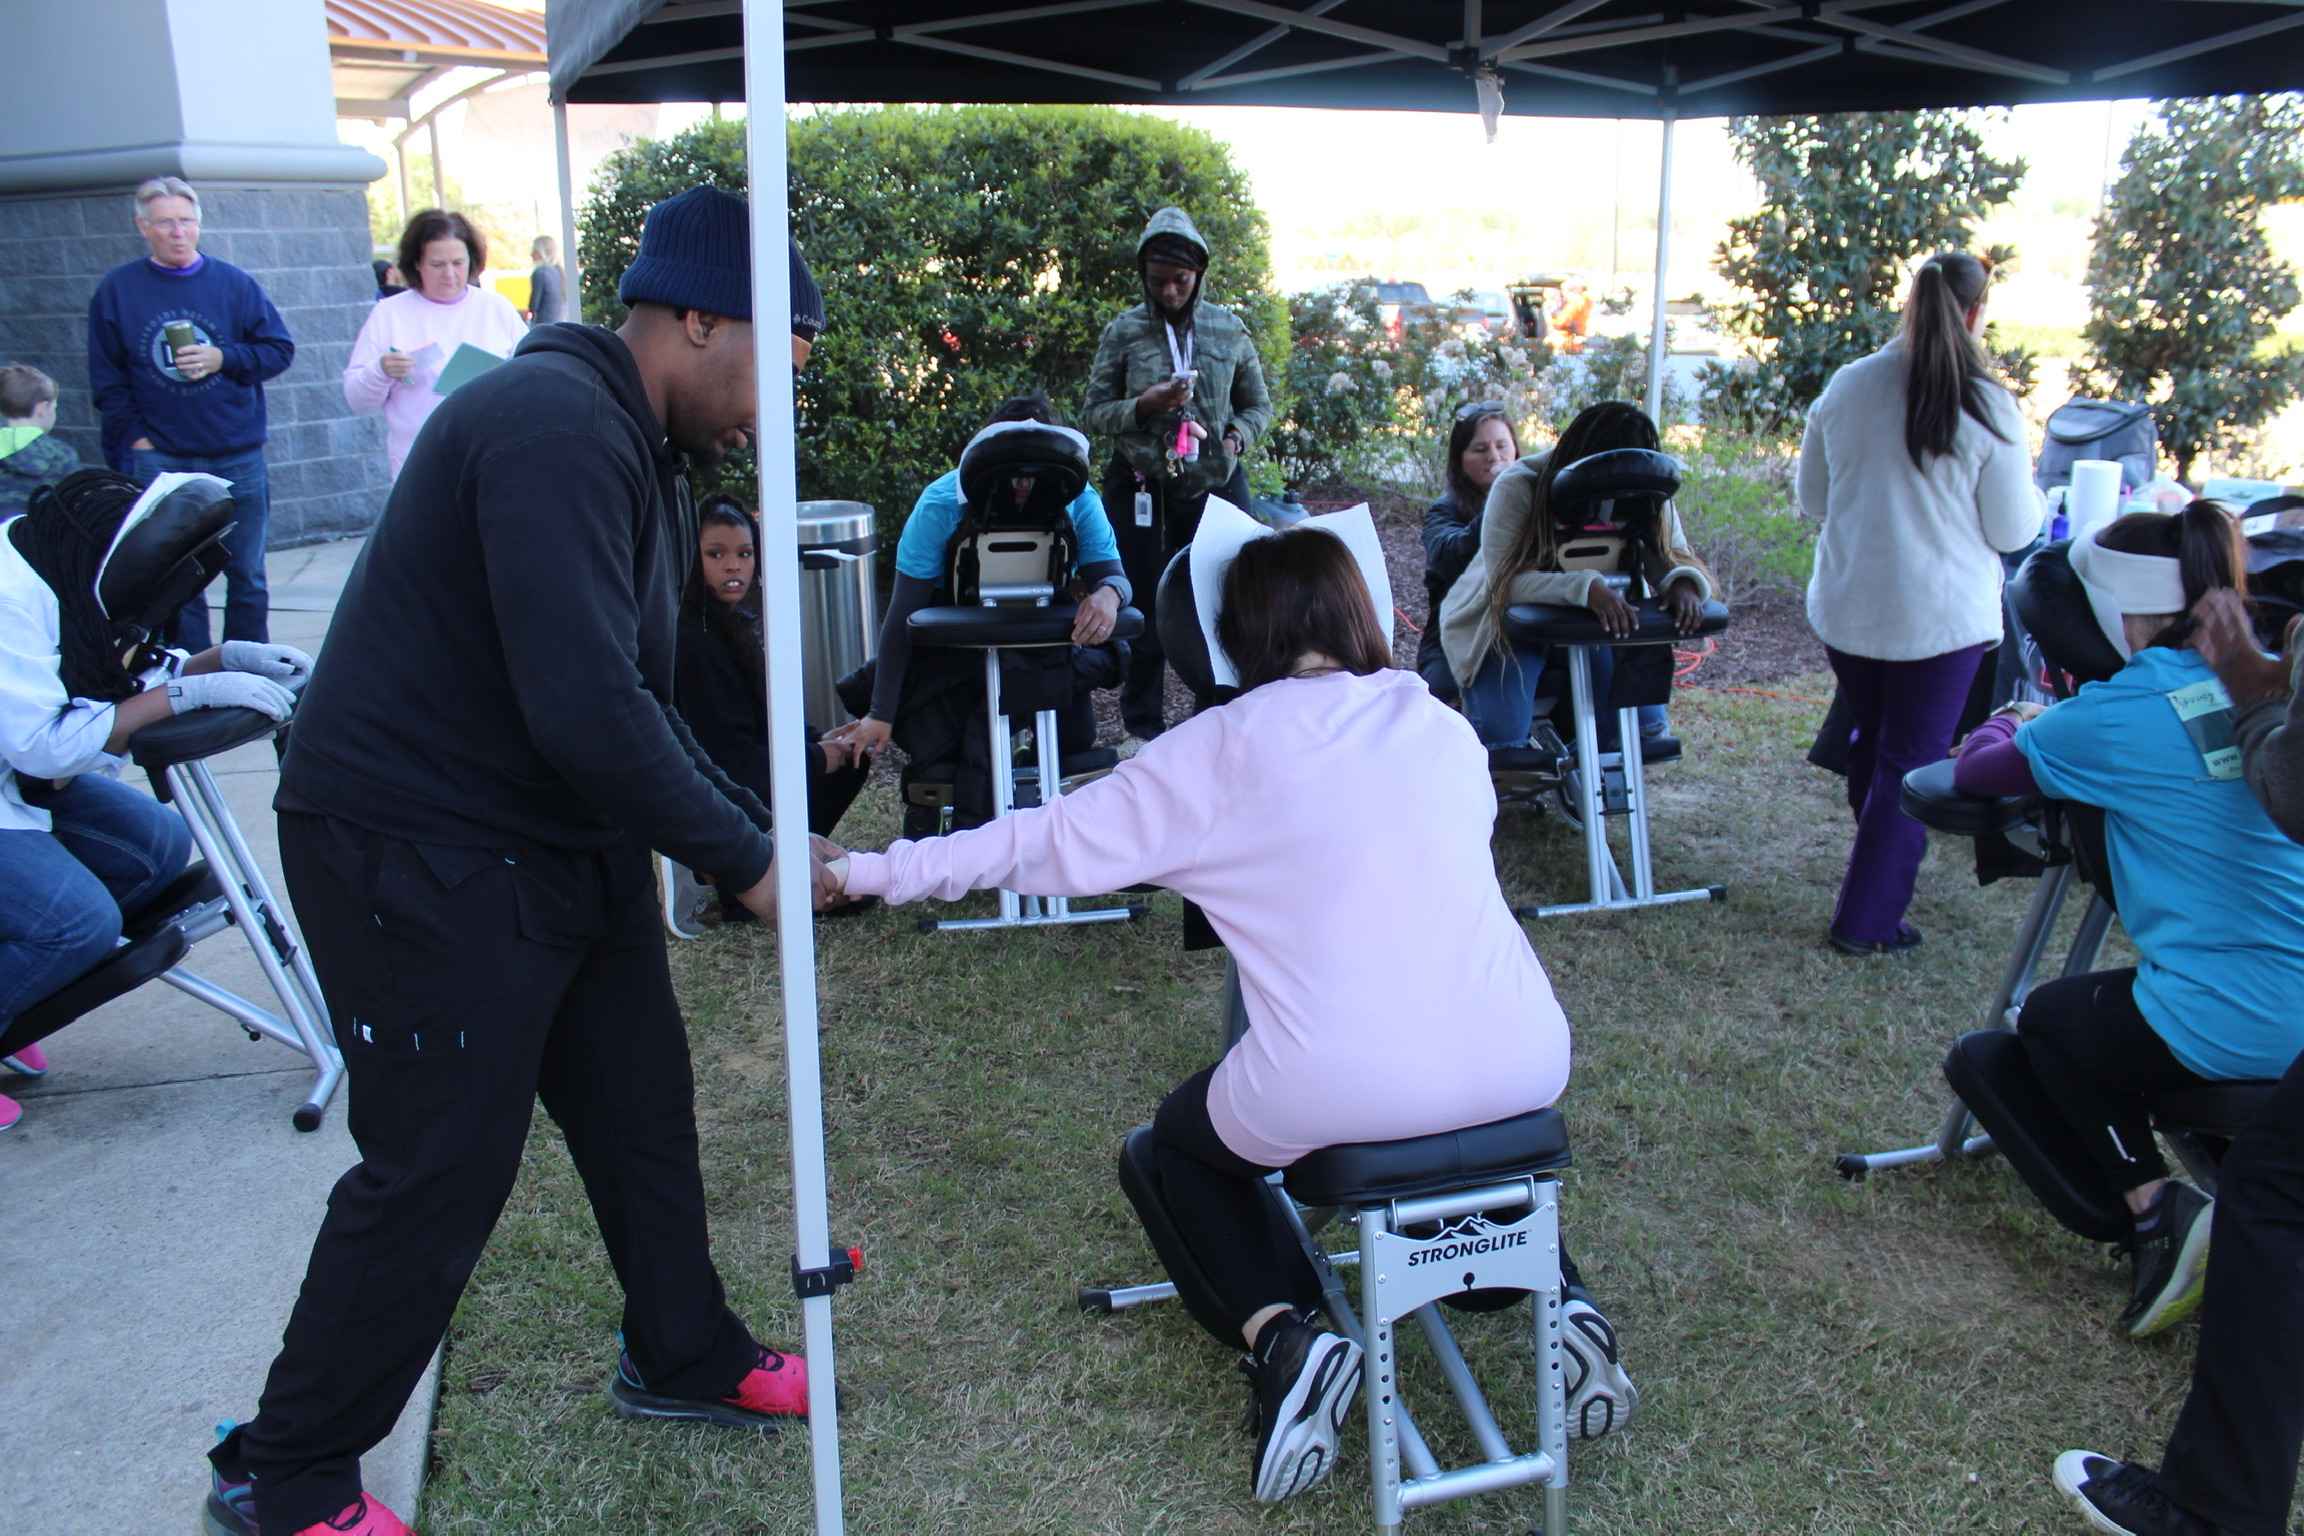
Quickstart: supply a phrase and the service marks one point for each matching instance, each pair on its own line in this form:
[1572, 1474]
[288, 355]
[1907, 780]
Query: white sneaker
[685, 898]
[1600, 1396]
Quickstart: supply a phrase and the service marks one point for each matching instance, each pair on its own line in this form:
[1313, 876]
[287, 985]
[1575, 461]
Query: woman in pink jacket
[409, 337]
[1295, 815]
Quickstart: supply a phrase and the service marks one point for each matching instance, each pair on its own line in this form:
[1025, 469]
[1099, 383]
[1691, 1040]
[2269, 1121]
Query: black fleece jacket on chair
[499, 672]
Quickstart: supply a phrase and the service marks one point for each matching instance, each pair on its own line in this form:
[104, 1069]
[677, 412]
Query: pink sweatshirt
[1335, 829]
[411, 322]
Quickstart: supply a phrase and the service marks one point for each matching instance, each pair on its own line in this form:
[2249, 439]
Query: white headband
[2119, 583]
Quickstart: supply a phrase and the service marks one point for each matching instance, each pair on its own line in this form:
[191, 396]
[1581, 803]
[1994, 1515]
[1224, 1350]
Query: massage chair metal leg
[265, 921]
[1019, 911]
[2032, 940]
[1605, 881]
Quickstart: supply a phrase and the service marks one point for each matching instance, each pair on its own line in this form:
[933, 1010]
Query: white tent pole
[787, 729]
[574, 299]
[439, 186]
[1663, 263]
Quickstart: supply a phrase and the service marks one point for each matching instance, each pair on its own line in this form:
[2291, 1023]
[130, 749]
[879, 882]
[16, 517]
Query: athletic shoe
[2171, 1262]
[231, 1511]
[10, 1112]
[28, 1062]
[2123, 1499]
[1600, 1396]
[1907, 940]
[685, 898]
[773, 1390]
[1303, 1378]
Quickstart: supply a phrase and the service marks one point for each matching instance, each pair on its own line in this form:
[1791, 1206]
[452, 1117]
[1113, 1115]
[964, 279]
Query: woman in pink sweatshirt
[409, 337]
[1297, 816]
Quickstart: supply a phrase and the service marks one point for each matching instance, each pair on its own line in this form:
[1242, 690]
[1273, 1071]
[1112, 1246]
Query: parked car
[1398, 303]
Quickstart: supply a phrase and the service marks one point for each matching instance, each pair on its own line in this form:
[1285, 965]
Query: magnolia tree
[2184, 290]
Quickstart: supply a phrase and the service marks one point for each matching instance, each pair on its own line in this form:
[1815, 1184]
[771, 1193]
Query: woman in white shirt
[77, 848]
[1914, 467]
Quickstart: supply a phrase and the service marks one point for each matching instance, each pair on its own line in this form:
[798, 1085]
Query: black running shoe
[2171, 1262]
[2123, 1499]
[1303, 1377]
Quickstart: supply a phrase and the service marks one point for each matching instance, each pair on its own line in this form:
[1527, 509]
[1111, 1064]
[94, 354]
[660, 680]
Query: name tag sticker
[2206, 710]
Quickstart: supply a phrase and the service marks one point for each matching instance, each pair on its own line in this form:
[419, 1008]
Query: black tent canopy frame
[1573, 58]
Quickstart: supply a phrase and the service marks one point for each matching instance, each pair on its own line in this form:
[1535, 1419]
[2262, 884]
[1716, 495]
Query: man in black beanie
[484, 760]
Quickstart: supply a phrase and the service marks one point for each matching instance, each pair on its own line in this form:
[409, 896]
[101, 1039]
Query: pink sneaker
[775, 1389]
[10, 1111]
[366, 1518]
[28, 1062]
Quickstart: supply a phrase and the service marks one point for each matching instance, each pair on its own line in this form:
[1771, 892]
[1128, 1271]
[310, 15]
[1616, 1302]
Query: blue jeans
[63, 892]
[247, 606]
[1500, 700]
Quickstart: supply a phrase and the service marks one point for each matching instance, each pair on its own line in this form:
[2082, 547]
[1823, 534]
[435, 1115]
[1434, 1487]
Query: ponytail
[1948, 370]
[2206, 543]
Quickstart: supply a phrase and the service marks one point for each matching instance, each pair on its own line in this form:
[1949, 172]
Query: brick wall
[308, 246]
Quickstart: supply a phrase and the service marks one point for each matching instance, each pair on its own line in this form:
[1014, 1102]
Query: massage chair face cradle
[2062, 845]
[166, 559]
[1470, 1217]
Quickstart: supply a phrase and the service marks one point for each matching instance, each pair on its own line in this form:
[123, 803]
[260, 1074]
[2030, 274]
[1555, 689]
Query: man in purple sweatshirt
[179, 347]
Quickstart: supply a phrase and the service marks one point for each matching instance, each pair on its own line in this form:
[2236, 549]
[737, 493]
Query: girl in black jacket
[719, 683]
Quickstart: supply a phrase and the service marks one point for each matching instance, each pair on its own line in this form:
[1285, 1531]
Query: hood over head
[1170, 235]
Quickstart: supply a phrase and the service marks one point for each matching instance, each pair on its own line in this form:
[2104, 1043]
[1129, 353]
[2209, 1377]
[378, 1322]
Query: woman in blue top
[2210, 891]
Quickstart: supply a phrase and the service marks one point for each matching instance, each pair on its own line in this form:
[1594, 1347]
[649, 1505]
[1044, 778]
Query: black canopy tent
[1590, 58]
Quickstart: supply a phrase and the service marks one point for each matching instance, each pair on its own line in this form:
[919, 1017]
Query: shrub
[2184, 290]
[1848, 203]
[1742, 515]
[1342, 416]
[964, 253]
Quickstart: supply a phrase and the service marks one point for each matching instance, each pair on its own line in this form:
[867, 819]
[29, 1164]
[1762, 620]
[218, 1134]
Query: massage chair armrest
[196, 734]
[1560, 624]
[977, 628]
[1930, 798]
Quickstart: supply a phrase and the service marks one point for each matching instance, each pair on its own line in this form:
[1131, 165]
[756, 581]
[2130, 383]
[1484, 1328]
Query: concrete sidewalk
[156, 1209]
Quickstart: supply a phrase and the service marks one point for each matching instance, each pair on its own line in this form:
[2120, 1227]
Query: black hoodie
[499, 670]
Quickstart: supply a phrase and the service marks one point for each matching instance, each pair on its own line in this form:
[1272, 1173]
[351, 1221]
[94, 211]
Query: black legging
[1144, 554]
[2105, 1067]
[1250, 1259]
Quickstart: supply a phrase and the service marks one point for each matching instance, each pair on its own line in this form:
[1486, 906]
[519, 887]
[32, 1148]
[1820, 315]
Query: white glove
[231, 690]
[284, 664]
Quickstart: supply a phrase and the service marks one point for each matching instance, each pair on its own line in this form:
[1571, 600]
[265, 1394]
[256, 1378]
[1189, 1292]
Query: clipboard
[467, 363]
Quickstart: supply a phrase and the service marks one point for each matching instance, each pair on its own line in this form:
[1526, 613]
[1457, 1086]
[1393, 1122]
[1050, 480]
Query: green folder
[468, 363]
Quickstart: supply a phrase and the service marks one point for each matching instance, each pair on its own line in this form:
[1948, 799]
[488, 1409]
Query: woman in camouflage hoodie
[1178, 388]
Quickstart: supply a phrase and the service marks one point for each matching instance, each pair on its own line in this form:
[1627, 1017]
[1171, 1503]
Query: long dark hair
[1948, 371]
[736, 624]
[1295, 592]
[1596, 429]
[2206, 543]
[64, 535]
[1470, 497]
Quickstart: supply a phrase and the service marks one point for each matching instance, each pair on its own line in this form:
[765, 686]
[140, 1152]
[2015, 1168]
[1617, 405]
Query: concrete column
[236, 99]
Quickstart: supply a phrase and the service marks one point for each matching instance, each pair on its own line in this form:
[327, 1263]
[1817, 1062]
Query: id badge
[1143, 509]
[2206, 710]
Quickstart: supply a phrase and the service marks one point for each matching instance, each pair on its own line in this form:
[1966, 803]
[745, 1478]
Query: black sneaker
[2123, 1499]
[2171, 1262]
[1600, 1396]
[1303, 1377]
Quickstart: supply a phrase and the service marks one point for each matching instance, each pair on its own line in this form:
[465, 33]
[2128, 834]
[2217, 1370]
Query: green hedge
[964, 253]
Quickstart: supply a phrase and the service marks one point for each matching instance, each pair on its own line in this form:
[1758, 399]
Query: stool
[224, 888]
[1014, 619]
[1600, 784]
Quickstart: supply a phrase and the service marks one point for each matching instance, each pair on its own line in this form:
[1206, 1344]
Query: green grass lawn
[1902, 1356]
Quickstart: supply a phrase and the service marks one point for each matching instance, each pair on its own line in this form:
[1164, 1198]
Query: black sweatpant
[2232, 1459]
[1144, 554]
[464, 984]
[2105, 1067]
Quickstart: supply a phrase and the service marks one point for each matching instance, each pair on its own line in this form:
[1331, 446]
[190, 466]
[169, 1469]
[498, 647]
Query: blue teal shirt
[922, 549]
[2209, 889]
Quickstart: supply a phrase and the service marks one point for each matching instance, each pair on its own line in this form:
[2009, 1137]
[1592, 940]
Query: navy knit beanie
[695, 253]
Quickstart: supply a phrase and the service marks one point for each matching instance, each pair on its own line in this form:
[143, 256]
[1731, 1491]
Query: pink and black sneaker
[231, 1511]
[775, 1389]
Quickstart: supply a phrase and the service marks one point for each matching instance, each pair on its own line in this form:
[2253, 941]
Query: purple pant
[1904, 715]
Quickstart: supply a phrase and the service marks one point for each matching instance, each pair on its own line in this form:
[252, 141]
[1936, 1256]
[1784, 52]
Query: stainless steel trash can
[839, 617]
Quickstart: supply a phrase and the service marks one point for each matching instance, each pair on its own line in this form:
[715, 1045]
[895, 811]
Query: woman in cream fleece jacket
[1915, 470]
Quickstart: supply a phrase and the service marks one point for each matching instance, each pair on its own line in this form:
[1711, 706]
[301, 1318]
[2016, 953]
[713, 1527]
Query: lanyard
[1180, 355]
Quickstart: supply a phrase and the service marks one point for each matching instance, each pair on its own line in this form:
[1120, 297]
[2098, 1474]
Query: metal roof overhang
[1581, 58]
